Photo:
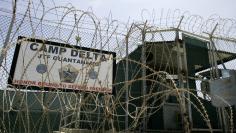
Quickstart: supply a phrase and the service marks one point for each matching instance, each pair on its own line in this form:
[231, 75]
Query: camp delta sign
[51, 65]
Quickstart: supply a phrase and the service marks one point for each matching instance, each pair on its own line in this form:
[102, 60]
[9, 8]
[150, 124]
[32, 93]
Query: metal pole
[144, 85]
[188, 95]
[81, 96]
[181, 85]
[3, 51]
[181, 82]
[126, 85]
[216, 76]
[215, 67]
[127, 78]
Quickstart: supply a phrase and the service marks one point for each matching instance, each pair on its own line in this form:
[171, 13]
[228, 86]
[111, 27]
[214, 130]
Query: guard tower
[179, 63]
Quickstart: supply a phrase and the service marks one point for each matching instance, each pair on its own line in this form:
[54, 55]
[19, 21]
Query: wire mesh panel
[160, 77]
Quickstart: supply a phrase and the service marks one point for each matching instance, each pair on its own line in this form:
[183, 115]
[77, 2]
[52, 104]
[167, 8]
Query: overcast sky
[123, 9]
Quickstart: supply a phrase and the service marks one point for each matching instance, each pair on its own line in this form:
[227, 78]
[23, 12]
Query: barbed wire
[47, 111]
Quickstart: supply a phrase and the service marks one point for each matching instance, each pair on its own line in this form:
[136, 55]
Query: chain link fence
[161, 63]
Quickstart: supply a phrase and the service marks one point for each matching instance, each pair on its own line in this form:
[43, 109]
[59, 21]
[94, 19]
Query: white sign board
[61, 66]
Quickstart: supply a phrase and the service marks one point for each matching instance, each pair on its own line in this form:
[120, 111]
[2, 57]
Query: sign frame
[58, 44]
